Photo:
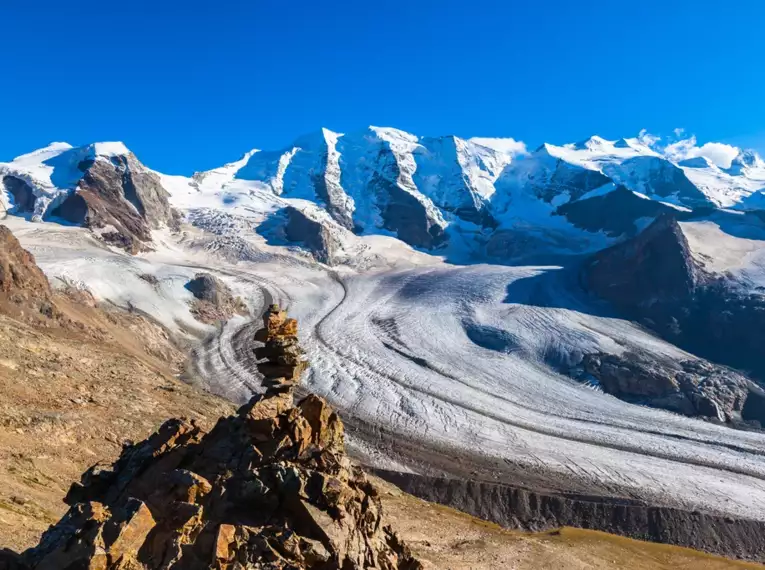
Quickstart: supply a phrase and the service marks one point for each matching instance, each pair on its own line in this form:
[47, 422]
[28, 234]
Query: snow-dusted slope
[52, 172]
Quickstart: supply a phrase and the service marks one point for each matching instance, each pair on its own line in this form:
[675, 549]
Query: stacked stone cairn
[284, 359]
[269, 488]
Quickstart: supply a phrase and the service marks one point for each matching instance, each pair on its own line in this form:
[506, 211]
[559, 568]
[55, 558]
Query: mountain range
[447, 195]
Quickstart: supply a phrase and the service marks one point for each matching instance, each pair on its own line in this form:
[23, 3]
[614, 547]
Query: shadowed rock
[655, 266]
[23, 195]
[316, 237]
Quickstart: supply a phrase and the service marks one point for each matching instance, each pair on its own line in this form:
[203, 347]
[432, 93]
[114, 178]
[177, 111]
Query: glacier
[435, 282]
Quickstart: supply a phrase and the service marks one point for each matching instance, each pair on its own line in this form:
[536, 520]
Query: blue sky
[191, 85]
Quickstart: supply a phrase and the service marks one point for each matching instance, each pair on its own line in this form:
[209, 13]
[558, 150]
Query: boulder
[213, 299]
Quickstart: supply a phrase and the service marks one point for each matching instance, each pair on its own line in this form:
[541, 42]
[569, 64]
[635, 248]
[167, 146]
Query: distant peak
[317, 139]
[328, 134]
[52, 149]
[109, 149]
[58, 146]
[592, 143]
[746, 159]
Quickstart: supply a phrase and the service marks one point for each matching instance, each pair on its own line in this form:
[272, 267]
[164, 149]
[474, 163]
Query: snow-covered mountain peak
[316, 140]
[594, 143]
[40, 155]
[398, 140]
[108, 149]
[747, 162]
[427, 191]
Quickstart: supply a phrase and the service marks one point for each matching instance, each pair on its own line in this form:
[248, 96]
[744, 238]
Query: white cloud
[720, 154]
[647, 138]
[509, 146]
[679, 132]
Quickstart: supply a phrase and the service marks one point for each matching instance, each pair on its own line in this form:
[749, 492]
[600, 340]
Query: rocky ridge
[102, 186]
[654, 279]
[268, 488]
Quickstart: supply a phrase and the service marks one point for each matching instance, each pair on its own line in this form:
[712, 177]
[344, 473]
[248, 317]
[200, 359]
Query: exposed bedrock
[312, 234]
[615, 213]
[121, 197]
[22, 282]
[654, 279]
[517, 508]
[270, 488]
[22, 193]
[689, 387]
[404, 214]
[213, 299]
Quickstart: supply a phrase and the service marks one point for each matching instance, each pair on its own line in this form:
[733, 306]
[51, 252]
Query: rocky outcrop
[23, 285]
[269, 488]
[121, 198]
[22, 193]
[213, 299]
[654, 279]
[19, 273]
[655, 266]
[312, 234]
[518, 508]
[615, 213]
[402, 213]
[688, 387]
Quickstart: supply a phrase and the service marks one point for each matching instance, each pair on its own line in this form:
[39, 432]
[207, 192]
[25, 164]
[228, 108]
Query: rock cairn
[284, 359]
[269, 488]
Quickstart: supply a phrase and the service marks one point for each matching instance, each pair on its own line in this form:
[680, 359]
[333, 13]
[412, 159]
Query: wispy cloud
[720, 154]
[506, 145]
[647, 138]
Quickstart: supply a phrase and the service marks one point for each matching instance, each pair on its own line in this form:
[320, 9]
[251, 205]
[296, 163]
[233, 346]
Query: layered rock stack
[284, 359]
[269, 488]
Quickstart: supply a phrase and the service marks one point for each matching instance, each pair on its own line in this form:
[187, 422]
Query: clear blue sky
[189, 85]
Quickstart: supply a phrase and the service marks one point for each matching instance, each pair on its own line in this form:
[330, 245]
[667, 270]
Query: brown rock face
[19, 273]
[269, 488]
[24, 289]
[656, 266]
[121, 196]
